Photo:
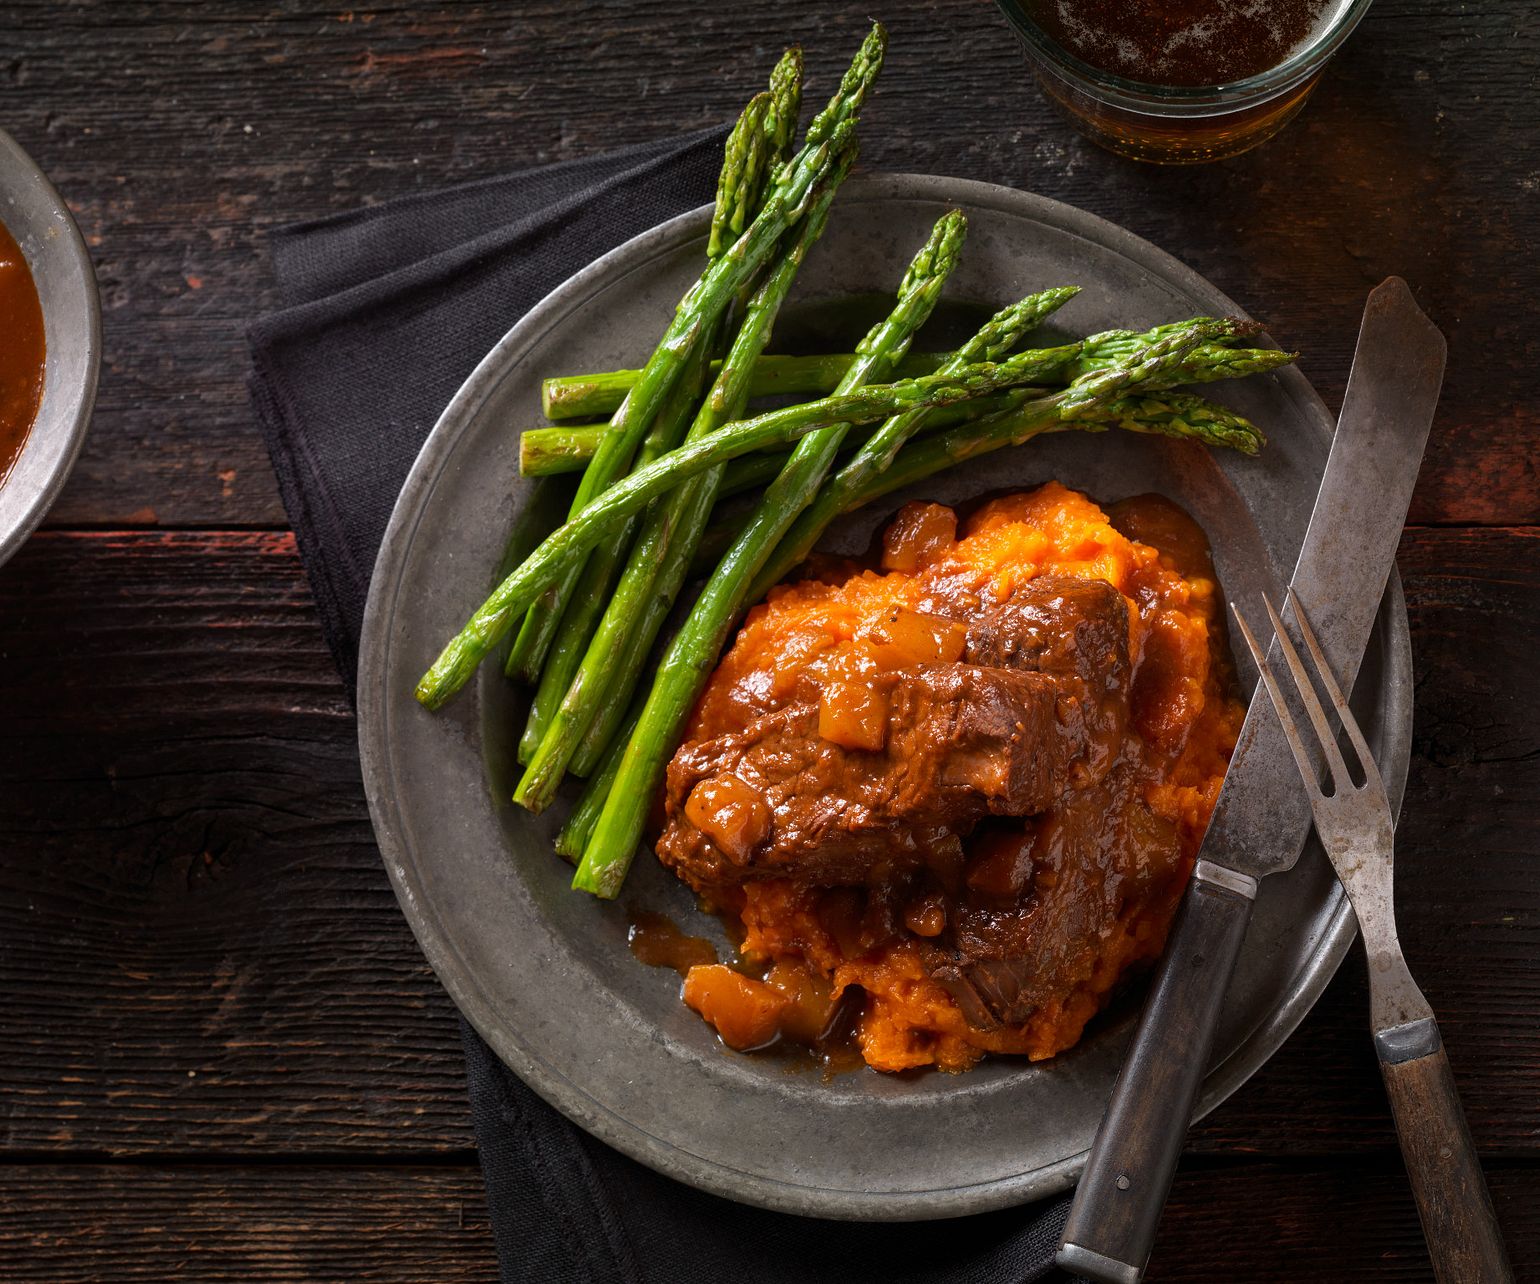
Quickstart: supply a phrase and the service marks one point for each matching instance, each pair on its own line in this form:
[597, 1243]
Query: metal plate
[544, 973]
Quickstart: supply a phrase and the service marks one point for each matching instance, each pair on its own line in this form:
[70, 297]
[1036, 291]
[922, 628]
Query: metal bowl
[38, 218]
[544, 973]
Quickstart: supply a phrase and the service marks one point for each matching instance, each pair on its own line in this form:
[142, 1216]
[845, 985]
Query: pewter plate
[544, 973]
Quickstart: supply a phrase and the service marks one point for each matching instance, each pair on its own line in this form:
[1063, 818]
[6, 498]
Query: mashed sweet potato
[1008, 937]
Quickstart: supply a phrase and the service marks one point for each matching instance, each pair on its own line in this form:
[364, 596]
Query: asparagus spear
[490, 623]
[752, 149]
[1111, 346]
[739, 181]
[586, 396]
[1145, 415]
[689, 658]
[562, 448]
[1179, 415]
[552, 621]
[1171, 415]
[1182, 416]
[765, 138]
[758, 145]
[765, 141]
[566, 448]
[597, 576]
[572, 837]
[656, 570]
[678, 528]
[740, 178]
[995, 338]
[703, 305]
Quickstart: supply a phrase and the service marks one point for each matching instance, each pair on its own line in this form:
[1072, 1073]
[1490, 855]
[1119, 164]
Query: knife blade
[1262, 817]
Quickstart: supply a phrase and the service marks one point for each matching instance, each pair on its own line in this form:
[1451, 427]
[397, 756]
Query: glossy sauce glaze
[1008, 930]
[656, 940]
[21, 352]
[823, 1039]
[1182, 42]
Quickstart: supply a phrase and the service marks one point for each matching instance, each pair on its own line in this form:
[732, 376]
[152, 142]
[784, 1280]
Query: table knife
[1262, 817]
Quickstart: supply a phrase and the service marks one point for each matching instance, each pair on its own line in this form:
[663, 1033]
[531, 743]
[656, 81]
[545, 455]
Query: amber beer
[1181, 80]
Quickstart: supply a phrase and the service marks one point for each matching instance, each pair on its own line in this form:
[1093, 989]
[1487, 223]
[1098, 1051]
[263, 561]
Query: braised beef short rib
[962, 742]
[1076, 630]
[1029, 724]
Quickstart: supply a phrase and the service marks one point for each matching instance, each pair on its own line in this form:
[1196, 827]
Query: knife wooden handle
[1117, 1206]
[1452, 1199]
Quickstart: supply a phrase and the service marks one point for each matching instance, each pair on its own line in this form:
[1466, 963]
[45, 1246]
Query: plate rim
[1304, 986]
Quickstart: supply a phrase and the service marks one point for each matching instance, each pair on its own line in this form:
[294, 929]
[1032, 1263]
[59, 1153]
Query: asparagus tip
[788, 71]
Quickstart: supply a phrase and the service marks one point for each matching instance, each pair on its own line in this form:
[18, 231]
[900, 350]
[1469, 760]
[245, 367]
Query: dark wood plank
[1277, 1224]
[181, 134]
[1264, 1223]
[262, 1223]
[201, 952]
[201, 949]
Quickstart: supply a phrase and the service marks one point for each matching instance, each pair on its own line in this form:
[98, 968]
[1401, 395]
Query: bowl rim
[79, 398]
[1187, 100]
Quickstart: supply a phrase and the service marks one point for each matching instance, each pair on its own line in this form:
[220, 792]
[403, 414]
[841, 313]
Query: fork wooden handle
[1452, 1199]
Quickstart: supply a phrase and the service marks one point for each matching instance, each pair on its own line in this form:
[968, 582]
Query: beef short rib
[777, 800]
[1076, 630]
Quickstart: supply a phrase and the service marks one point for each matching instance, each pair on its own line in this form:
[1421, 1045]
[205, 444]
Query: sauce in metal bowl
[1182, 42]
[22, 352]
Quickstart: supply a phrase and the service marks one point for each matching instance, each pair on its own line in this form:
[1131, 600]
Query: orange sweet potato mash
[1092, 882]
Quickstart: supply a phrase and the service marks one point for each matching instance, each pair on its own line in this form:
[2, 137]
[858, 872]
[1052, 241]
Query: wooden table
[221, 1054]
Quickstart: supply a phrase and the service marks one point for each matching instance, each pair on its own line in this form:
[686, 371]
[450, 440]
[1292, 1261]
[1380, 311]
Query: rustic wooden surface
[223, 1055]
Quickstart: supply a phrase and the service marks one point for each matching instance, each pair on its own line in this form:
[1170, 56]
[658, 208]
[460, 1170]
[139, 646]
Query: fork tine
[1339, 703]
[1312, 702]
[1290, 731]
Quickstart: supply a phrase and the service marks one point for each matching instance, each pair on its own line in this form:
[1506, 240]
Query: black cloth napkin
[385, 311]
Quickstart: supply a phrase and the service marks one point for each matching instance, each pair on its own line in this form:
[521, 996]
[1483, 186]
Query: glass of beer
[1181, 81]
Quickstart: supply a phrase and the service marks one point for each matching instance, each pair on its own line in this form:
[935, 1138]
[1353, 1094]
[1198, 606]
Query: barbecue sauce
[803, 1023]
[21, 351]
[659, 942]
[1182, 42]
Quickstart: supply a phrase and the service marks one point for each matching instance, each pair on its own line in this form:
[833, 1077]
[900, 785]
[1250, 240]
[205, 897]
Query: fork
[1356, 828]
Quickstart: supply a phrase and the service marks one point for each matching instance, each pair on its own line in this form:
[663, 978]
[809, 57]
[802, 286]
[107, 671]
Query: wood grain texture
[202, 962]
[300, 1224]
[200, 948]
[287, 1225]
[204, 954]
[1453, 1203]
[1281, 1224]
[182, 133]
